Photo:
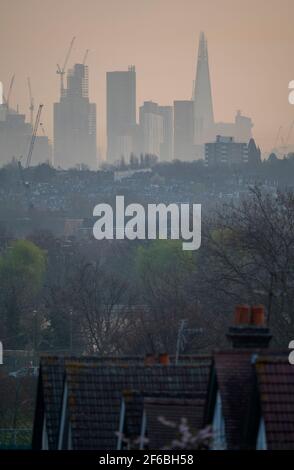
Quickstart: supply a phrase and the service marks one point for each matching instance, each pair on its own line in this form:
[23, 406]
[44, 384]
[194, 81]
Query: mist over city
[146, 228]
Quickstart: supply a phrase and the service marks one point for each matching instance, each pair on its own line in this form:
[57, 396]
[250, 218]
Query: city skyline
[248, 71]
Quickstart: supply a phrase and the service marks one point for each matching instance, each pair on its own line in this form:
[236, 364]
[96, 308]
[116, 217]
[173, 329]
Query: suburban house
[244, 394]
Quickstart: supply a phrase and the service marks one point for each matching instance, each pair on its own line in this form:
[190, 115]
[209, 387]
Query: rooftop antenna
[61, 71]
[182, 336]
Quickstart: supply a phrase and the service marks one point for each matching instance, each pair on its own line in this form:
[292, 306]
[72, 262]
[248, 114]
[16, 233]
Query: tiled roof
[235, 379]
[164, 415]
[95, 392]
[51, 376]
[51, 382]
[276, 390]
[133, 415]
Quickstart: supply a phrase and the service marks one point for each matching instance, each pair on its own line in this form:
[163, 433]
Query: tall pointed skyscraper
[203, 109]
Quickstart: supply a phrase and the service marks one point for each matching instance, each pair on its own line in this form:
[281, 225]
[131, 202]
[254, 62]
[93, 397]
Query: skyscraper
[151, 128]
[75, 123]
[121, 113]
[184, 148]
[205, 129]
[202, 98]
[166, 150]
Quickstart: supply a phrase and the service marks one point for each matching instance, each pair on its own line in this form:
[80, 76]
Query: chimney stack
[152, 359]
[249, 330]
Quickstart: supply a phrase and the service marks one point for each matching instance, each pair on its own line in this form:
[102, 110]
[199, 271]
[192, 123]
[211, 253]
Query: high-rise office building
[202, 98]
[75, 123]
[151, 129]
[184, 148]
[205, 129]
[121, 114]
[166, 150]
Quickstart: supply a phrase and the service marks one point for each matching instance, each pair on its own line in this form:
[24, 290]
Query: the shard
[203, 109]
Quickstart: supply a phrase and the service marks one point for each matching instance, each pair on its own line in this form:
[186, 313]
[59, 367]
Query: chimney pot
[249, 330]
[164, 359]
[258, 315]
[242, 315]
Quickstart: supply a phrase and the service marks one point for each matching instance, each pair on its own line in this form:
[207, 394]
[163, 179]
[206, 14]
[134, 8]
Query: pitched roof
[235, 379]
[275, 377]
[165, 415]
[133, 402]
[50, 386]
[95, 391]
[50, 389]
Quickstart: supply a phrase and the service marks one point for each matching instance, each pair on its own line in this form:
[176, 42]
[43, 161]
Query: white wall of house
[218, 426]
[63, 418]
[45, 443]
[261, 436]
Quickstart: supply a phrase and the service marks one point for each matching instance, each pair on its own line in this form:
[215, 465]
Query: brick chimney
[249, 329]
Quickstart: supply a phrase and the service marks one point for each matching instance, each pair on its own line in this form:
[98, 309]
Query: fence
[19, 438]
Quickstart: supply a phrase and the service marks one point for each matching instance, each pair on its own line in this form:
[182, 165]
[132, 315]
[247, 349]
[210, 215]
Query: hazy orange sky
[251, 53]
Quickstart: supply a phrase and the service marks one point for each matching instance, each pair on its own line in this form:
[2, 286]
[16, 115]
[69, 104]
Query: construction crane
[277, 137]
[61, 71]
[285, 142]
[29, 156]
[32, 107]
[6, 100]
[85, 56]
[289, 132]
[34, 135]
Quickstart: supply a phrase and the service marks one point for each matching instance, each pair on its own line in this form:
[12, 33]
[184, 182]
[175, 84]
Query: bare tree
[249, 250]
[101, 305]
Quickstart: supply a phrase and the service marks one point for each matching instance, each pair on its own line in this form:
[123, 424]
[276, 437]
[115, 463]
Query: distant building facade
[75, 123]
[15, 137]
[205, 128]
[121, 114]
[225, 151]
[151, 128]
[240, 129]
[184, 148]
[166, 150]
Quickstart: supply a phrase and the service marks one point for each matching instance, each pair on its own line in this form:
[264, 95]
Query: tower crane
[277, 136]
[6, 100]
[85, 56]
[285, 142]
[289, 132]
[61, 71]
[29, 156]
[33, 139]
[32, 107]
